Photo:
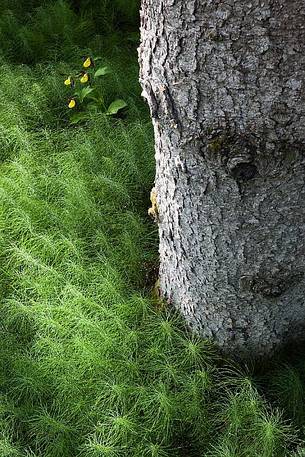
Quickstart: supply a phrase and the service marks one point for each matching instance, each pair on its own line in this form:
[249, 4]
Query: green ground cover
[90, 365]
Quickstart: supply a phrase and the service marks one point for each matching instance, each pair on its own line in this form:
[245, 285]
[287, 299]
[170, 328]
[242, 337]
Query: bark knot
[271, 285]
[236, 153]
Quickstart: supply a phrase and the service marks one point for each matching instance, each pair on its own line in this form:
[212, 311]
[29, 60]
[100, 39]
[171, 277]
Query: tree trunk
[224, 80]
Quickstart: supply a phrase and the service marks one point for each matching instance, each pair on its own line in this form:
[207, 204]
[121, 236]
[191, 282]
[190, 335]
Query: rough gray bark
[224, 80]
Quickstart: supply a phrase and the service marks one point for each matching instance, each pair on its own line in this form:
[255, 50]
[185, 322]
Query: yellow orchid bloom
[87, 63]
[84, 79]
[68, 81]
[72, 103]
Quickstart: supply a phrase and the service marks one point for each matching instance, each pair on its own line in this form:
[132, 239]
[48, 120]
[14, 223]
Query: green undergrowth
[89, 365]
[33, 31]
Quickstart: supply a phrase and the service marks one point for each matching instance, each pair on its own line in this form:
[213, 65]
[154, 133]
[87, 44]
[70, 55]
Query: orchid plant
[86, 96]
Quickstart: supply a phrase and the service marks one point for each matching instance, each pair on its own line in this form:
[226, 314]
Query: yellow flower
[68, 81]
[72, 103]
[87, 63]
[84, 78]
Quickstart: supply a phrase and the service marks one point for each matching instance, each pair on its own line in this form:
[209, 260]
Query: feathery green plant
[32, 31]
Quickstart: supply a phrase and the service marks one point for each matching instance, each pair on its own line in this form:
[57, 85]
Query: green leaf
[116, 106]
[102, 71]
[85, 92]
[78, 117]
